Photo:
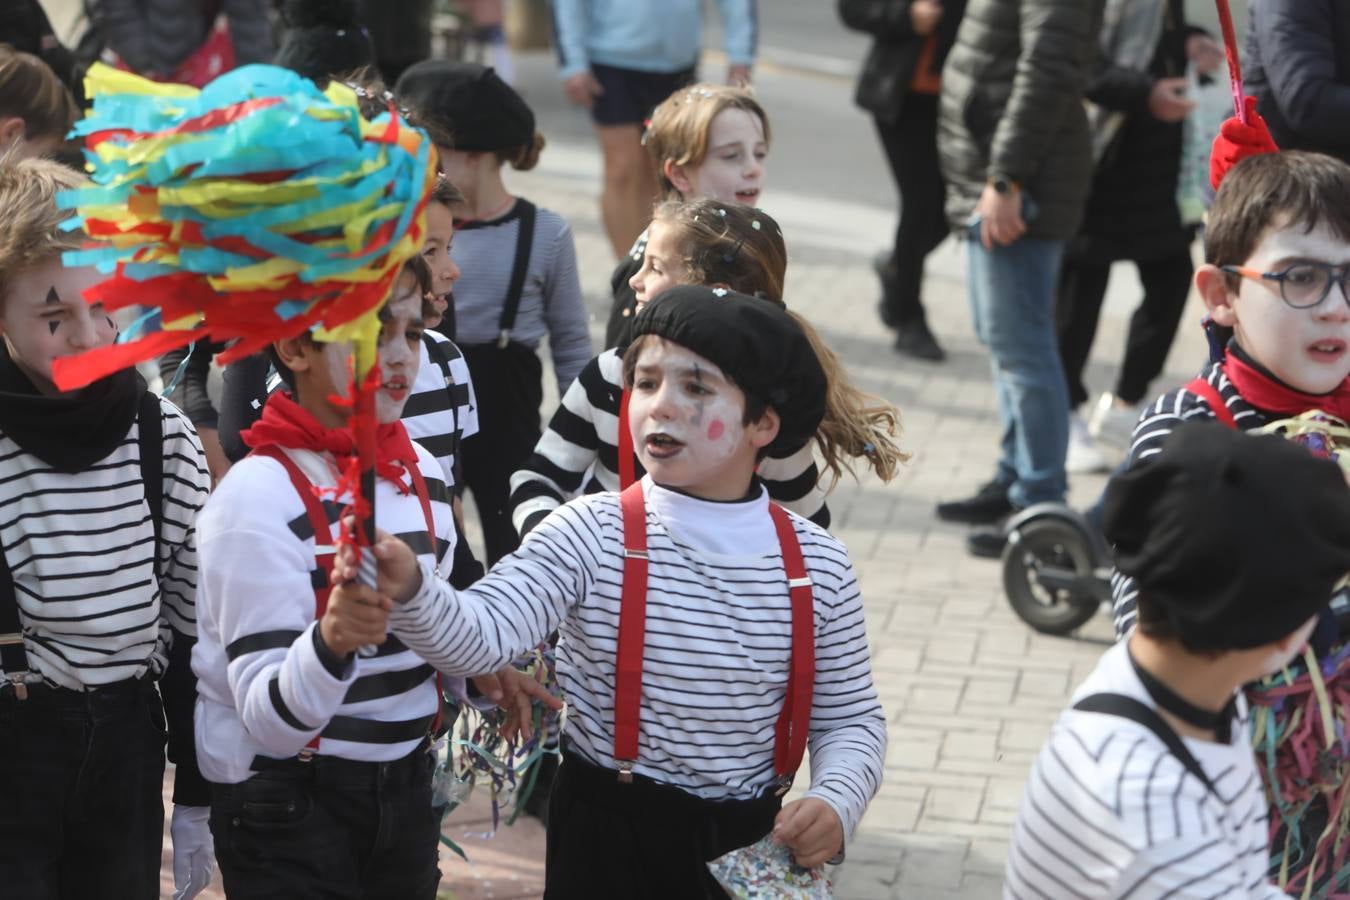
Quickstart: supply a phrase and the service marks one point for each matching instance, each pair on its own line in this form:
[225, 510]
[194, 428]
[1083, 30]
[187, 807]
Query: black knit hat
[1237, 539]
[323, 39]
[469, 102]
[755, 343]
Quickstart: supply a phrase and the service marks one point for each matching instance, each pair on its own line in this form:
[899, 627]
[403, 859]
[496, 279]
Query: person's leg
[40, 757]
[1167, 284]
[1082, 288]
[629, 187]
[923, 223]
[403, 864]
[121, 781]
[1019, 281]
[980, 276]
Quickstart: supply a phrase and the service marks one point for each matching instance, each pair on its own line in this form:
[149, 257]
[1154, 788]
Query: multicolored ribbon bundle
[1301, 731]
[247, 211]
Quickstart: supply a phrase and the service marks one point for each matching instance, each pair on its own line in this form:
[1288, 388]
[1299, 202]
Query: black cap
[469, 102]
[1237, 539]
[756, 344]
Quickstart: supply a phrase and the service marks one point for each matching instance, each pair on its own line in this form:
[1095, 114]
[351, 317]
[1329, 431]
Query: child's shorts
[630, 96]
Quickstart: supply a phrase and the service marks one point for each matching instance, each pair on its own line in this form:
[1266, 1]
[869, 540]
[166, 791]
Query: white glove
[194, 852]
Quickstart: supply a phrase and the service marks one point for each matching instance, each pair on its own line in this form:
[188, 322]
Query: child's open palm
[811, 829]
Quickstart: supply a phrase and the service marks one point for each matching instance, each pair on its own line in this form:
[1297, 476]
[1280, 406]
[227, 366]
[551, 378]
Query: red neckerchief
[1265, 392]
[285, 423]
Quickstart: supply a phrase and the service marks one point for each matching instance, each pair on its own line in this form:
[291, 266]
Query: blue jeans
[1012, 302]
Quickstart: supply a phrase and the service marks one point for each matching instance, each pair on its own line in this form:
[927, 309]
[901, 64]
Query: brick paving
[969, 691]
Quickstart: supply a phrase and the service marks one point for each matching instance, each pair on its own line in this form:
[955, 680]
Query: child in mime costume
[707, 635]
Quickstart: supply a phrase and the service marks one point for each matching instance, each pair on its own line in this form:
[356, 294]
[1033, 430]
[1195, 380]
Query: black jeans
[329, 828]
[1082, 288]
[81, 792]
[508, 385]
[911, 149]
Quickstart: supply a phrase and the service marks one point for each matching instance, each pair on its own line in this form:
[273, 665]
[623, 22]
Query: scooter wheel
[1048, 546]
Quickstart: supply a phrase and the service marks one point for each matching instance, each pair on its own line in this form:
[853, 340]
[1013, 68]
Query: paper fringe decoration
[248, 211]
[1301, 731]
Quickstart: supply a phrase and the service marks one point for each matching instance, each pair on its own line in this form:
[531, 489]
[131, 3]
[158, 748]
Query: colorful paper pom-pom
[247, 211]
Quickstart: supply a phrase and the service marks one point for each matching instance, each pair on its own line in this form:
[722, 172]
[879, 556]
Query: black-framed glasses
[1302, 285]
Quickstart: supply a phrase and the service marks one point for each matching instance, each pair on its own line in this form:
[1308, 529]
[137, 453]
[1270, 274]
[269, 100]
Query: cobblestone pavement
[969, 691]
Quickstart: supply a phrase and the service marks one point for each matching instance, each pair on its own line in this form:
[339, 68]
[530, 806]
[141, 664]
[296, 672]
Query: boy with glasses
[1277, 252]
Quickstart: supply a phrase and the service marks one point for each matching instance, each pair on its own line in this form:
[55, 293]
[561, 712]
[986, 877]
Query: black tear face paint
[53, 298]
[699, 404]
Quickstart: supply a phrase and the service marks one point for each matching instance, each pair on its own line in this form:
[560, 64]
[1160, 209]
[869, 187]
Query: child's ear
[1212, 283]
[12, 130]
[763, 430]
[293, 352]
[676, 175]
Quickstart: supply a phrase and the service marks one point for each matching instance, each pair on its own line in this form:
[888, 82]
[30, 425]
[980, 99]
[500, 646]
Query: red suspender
[632, 624]
[794, 722]
[627, 465]
[323, 537]
[1210, 394]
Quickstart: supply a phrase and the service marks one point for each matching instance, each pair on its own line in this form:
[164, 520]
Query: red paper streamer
[1230, 49]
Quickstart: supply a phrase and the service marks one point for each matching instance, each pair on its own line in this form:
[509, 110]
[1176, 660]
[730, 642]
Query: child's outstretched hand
[515, 692]
[356, 617]
[1237, 141]
[811, 830]
[398, 575]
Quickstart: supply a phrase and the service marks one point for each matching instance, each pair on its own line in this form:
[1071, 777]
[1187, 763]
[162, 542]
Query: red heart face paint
[716, 430]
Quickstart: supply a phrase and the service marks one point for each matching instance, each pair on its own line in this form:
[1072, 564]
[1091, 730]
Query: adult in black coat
[1132, 214]
[1298, 67]
[24, 26]
[899, 86]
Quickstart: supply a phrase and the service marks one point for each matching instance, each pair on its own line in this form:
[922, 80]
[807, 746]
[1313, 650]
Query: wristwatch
[1002, 184]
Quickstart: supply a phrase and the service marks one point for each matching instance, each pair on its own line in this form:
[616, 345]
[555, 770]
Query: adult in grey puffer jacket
[154, 37]
[1012, 137]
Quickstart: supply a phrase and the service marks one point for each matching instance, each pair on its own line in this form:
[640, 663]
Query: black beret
[1237, 539]
[755, 343]
[469, 102]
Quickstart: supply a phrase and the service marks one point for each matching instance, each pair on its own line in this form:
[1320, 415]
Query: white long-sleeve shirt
[718, 642]
[1110, 812]
[262, 688]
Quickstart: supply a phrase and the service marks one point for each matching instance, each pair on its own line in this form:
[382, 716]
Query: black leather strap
[1135, 711]
[524, 241]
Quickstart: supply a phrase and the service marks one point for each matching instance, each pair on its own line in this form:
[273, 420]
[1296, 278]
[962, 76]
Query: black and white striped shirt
[81, 547]
[262, 689]
[442, 409]
[578, 454]
[1109, 812]
[1155, 424]
[717, 646]
[550, 302]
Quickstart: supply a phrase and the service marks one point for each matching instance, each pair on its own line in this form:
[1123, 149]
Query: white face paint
[44, 317]
[399, 356]
[686, 419]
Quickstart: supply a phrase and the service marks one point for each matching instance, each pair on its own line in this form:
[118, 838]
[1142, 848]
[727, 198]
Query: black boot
[915, 340]
[989, 504]
[888, 307]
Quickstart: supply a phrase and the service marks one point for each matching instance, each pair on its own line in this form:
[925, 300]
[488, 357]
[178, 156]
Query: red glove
[1237, 141]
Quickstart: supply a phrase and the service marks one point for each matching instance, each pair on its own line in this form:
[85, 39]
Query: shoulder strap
[1210, 394]
[794, 721]
[150, 427]
[1132, 709]
[632, 630]
[524, 241]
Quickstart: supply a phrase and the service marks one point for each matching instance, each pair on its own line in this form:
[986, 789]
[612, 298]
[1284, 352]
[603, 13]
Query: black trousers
[81, 792]
[508, 383]
[329, 828]
[911, 149]
[1082, 288]
[641, 841]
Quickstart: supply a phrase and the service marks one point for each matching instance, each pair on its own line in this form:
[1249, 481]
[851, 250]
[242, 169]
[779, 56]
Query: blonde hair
[678, 130]
[743, 248]
[30, 90]
[30, 227]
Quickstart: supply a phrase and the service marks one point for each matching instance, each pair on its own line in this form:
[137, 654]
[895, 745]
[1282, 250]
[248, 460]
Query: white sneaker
[1084, 457]
[1112, 424]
